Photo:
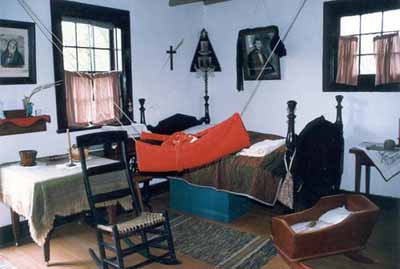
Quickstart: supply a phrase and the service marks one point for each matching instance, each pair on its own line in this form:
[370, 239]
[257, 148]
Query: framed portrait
[17, 52]
[257, 45]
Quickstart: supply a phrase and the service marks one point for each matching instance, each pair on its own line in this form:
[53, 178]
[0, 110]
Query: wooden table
[361, 159]
[46, 183]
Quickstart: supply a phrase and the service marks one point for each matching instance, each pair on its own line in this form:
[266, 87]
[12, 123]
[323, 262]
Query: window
[90, 46]
[364, 20]
[95, 41]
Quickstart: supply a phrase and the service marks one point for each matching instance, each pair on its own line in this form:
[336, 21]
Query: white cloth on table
[386, 161]
[42, 192]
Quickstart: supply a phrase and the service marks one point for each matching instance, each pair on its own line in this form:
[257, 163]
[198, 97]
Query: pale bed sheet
[50, 189]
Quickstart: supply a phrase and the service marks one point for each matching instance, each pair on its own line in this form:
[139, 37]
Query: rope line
[270, 57]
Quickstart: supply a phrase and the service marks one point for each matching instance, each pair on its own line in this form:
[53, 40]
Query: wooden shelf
[23, 125]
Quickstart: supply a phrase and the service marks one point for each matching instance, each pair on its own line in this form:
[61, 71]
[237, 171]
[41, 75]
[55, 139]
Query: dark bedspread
[256, 177]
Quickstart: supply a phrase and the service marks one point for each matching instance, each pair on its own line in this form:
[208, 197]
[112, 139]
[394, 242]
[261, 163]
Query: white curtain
[387, 50]
[91, 98]
[347, 66]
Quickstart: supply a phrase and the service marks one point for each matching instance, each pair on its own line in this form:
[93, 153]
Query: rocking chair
[143, 223]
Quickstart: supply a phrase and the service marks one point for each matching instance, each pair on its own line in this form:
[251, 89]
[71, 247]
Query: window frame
[113, 48]
[333, 11]
[119, 19]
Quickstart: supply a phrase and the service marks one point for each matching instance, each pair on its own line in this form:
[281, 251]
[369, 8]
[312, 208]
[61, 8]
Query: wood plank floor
[71, 242]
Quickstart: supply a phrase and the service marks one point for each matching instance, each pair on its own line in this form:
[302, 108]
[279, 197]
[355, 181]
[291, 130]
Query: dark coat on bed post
[318, 164]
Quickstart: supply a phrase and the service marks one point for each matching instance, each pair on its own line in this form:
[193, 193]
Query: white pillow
[262, 148]
[197, 128]
[335, 215]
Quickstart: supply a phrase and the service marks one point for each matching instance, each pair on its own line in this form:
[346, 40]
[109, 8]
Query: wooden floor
[70, 244]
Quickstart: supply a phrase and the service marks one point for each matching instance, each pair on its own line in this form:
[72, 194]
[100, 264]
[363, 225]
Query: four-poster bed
[293, 143]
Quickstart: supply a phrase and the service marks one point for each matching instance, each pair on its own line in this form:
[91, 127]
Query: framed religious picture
[17, 51]
[256, 46]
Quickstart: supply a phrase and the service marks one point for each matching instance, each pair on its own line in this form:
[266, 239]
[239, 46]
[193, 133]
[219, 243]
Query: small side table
[362, 159]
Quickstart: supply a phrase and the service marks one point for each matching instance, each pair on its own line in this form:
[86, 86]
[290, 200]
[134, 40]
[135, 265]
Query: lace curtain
[347, 67]
[387, 50]
[91, 98]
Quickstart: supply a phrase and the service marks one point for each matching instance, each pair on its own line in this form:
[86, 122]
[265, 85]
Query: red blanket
[181, 151]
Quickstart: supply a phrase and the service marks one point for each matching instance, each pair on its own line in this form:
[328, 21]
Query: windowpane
[119, 38]
[367, 44]
[102, 60]
[68, 33]
[101, 37]
[349, 25]
[371, 23]
[367, 65]
[69, 59]
[119, 57]
[85, 60]
[84, 34]
[391, 20]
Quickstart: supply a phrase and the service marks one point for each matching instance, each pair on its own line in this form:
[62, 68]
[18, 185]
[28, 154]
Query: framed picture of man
[257, 45]
[17, 52]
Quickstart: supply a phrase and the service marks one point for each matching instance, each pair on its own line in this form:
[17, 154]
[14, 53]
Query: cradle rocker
[348, 236]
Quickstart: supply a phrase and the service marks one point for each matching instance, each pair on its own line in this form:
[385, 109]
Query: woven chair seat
[145, 220]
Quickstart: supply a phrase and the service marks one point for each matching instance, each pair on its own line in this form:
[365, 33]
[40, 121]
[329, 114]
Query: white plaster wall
[367, 116]
[155, 27]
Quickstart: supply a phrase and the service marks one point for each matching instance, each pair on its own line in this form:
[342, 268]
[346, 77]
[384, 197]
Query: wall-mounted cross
[171, 53]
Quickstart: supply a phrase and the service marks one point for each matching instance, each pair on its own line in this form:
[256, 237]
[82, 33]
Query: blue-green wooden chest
[206, 202]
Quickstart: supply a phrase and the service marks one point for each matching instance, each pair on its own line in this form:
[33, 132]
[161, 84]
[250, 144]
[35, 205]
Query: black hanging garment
[240, 48]
[319, 161]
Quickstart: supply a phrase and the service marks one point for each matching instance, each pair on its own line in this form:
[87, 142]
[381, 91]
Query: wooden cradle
[348, 236]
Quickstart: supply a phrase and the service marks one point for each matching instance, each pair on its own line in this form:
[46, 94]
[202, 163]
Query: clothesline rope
[253, 93]
[56, 42]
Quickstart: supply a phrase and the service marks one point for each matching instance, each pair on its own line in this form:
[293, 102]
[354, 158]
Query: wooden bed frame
[291, 133]
[291, 136]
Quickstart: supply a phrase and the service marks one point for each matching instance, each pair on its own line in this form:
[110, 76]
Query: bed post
[339, 108]
[291, 135]
[339, 123]
[142, 109]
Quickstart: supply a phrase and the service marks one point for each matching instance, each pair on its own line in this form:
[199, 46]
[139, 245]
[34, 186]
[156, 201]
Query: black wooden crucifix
[171, 53]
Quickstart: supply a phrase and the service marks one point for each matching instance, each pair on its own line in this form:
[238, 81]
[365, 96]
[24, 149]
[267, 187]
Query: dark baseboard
[7, 237]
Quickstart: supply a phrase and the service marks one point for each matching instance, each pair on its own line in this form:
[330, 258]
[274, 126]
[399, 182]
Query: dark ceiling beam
[173, 3]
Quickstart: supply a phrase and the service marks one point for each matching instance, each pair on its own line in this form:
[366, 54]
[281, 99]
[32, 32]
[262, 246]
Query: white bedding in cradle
[329, 218]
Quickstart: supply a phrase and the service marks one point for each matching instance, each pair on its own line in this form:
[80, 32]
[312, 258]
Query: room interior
[193, 57]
